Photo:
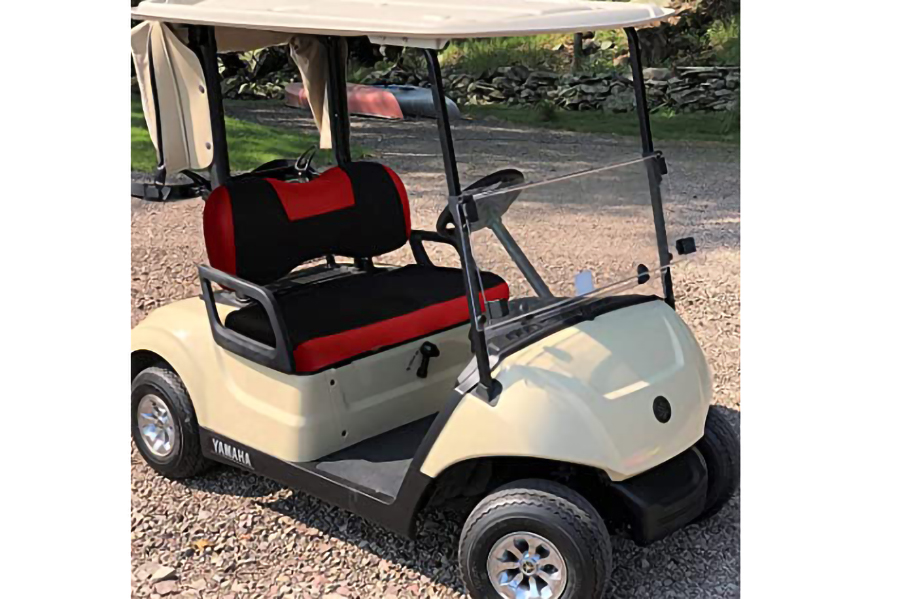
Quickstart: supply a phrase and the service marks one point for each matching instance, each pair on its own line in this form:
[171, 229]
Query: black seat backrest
[261, 229]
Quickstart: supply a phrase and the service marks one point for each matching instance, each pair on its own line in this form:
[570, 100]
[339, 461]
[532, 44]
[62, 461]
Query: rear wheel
[535, 539]
[163, 424]
[721, 450]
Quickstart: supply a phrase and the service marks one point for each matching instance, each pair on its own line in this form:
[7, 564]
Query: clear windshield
[566, 239]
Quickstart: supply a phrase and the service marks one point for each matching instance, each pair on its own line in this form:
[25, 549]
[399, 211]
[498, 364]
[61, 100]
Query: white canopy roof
[419, 23]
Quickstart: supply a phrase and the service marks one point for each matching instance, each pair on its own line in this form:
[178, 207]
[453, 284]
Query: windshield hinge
[660, 162]
[468, 208]
[661, 165]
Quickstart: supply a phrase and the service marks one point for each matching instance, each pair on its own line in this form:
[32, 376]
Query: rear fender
[172, 348]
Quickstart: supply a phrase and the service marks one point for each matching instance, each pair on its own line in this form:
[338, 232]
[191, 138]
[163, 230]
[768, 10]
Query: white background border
[821, 425]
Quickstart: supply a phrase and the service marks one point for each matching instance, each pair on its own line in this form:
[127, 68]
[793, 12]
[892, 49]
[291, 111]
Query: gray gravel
[232, 534]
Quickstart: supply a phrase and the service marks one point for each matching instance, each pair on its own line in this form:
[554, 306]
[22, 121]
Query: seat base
[339, 320]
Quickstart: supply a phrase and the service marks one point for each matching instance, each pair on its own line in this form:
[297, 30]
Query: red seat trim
[329, 192]
[320, 353]
[218, 231]
[404, 199]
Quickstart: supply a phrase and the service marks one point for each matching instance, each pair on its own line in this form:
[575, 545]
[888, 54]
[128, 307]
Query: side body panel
[585, 395]
[291, 417]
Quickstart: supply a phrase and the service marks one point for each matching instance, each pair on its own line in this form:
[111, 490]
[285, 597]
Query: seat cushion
[336, 321]
[261, 229]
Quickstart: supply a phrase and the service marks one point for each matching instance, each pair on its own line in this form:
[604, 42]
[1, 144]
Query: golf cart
[554, 403]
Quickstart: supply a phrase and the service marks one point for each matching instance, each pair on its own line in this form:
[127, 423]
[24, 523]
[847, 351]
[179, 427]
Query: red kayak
[363, 100]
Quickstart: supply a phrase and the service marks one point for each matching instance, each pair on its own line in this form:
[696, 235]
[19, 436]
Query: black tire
[550, 510]
[721, 449]
[186, 459]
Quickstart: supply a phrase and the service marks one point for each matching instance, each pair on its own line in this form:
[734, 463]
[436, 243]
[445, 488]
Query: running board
[398, 486]
[380, 463]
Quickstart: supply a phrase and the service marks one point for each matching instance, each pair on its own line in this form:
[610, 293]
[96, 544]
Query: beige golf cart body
[561, 408]
[582, 395]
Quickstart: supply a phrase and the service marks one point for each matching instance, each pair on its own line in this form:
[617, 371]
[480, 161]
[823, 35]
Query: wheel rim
[156, 425]
[524, 565]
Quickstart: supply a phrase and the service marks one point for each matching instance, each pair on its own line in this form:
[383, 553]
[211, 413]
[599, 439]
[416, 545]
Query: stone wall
[683, 89]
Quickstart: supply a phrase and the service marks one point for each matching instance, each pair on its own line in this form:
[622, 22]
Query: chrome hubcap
[156, 425]
[524, 565]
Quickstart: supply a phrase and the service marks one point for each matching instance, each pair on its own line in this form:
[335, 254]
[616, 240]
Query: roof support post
[339, 112]
[455, 202]
[336, 98]
[161, 155]
[443, 120]
[203, 41]
[655, 169]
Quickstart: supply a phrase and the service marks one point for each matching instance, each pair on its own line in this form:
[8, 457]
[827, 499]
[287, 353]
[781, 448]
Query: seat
[350, 317]
[259, 230]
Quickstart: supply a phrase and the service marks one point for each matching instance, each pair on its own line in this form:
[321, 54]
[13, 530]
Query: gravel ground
[231, 534]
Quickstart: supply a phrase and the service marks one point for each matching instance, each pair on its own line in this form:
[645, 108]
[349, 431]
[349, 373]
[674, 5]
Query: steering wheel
[490, 209]
[285, 169]
[304, 165]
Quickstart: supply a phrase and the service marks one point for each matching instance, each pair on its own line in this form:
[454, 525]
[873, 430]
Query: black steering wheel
[285, 169]
[490, 209]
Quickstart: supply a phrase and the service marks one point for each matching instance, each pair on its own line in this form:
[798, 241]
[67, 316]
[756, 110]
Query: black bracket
[280, 357]
[488, 392]
[154, 191]
[162, 193]
[468, 208]
[685, 246]
[661, 163]
[643, 274]
[660, 168]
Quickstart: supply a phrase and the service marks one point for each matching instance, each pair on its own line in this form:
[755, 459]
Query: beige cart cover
[186, 125]
[251, 24]
[413, 23]
[181, 89]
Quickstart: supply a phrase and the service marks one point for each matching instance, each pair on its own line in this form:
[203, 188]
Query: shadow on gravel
[222, 480]
[703, 559]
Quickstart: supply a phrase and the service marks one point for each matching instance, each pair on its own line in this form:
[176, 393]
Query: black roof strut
[487, 384]
[338, 111]
[655, 168]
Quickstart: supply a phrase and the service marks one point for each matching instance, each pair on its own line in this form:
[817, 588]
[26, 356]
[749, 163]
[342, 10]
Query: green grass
[249, 144]
[480, 55]
[665, 125]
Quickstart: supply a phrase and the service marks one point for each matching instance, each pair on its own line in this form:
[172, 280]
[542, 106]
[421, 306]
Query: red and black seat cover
[261, 229]
[352, 316]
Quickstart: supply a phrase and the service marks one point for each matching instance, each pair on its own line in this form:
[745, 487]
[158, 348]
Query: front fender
[585, 396]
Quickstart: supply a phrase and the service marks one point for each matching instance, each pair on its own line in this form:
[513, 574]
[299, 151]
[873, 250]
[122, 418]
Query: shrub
[731, 121]
[725, 41]
[357, 73]
[546, 111]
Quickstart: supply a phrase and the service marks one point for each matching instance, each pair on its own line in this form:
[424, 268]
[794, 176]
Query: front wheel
[535, 539]
[721, 450]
